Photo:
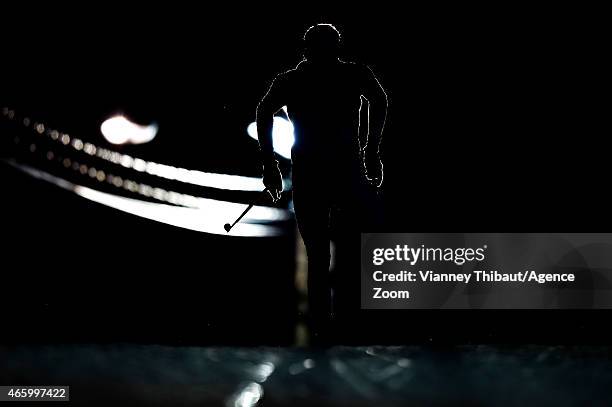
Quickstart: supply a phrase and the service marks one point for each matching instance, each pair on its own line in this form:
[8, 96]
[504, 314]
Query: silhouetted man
[324, 97]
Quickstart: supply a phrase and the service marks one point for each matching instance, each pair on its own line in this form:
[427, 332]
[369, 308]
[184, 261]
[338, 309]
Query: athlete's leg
[356, 211]
[312, 209]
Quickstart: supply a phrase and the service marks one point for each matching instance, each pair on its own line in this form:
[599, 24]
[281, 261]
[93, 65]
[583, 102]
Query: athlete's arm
[376, 96]
[271, 103]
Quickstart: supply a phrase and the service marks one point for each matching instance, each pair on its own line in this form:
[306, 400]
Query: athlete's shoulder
[356, 68]
[291, 73]
[285, 78]
[350, 64]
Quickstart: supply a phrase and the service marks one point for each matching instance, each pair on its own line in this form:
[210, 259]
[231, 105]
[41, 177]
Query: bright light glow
[249, 396]
[209, 216]
[119, 130]
[283, 135]
[263, 371]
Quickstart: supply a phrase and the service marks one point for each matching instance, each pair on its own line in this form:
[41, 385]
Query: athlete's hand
[273, 180]
[373, 168]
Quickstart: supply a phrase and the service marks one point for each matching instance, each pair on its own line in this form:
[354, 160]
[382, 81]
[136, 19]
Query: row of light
[208, 219]
[160, 194]
[194, 177]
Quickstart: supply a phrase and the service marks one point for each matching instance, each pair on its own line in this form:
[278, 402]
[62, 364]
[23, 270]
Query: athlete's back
[323, 102]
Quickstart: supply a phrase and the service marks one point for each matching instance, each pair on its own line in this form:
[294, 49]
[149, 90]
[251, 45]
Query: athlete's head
[322, 42]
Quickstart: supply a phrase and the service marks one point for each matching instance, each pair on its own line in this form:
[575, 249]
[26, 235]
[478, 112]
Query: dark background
[491, 128]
